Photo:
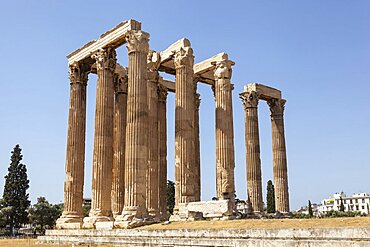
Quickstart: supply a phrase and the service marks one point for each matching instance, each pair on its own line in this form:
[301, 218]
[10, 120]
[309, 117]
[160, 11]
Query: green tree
[86, 206]
[270, 197]
[310, 212]
[15, 197]
[341, 207]
[170, 196]
[43, 215]
[4, 214]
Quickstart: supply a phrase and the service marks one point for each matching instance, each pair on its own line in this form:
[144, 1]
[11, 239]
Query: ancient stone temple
[129, 170]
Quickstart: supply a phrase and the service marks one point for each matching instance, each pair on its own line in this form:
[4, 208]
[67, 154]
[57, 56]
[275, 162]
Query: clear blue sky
[317, 52]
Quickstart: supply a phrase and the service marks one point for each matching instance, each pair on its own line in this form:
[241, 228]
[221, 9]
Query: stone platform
[318, 237]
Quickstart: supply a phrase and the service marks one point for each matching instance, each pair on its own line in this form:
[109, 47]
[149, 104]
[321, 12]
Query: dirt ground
[267, 223]
[34, 243]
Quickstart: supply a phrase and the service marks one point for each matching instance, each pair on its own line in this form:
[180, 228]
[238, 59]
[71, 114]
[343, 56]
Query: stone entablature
[264, 92]
[112, 38]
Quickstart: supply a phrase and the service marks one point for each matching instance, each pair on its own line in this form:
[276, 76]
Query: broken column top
[265, 92]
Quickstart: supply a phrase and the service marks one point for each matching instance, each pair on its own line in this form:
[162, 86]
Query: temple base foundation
[96, 222]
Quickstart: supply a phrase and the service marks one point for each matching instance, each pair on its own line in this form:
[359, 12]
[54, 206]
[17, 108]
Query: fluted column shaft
[73, 185]
[136, 155]
[279, 155]
[225, 160]
[252, 146]
[197, 149]
[119, 144]
[103, 135]
[184, 127]
[162, 159]
[152, 175]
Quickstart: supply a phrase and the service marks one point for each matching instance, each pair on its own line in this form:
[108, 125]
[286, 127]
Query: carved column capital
[250, 99]
[184, 57]
[223, 70]
[78, 74]
[120, 83]
[137, 41]
[277, 106]
[162, 93]
[105, 59]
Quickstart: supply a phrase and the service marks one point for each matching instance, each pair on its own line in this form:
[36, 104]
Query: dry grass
[267, 224]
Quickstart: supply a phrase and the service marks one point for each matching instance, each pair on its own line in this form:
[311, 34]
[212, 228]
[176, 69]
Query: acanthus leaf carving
[137, 41]
[162, 93]
[78, 73]
[105, 59]
[250, 99]
[184, 57]
[277, 106]
[223, 70]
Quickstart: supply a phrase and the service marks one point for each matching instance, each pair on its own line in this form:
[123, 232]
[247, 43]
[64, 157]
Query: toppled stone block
[206, 209]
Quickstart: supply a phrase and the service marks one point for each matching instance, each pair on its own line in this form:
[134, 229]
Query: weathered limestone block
[212, 209]
[264, 92]
[104, 225]
[205, 209]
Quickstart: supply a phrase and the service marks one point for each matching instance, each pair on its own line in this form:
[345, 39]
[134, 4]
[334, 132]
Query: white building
[357, 202]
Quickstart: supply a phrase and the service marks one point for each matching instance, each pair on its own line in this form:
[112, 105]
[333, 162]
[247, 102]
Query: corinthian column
[252, 146]
[162, 143]
[184, 127]
[119, 144]
[103, 139]
[136, 155]
[73, 185]
[153, 148]
[225, 163]
[279, 155]
[197, 148]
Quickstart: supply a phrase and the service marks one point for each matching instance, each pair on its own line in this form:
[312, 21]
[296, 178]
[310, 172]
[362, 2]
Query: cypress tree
[270, 197]
[310, 212]
[341, 207]
[15, 196]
